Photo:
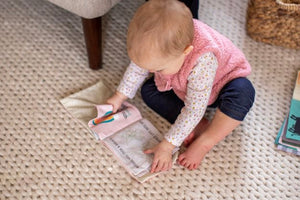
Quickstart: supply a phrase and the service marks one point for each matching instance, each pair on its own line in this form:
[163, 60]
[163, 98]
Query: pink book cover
[107, 123]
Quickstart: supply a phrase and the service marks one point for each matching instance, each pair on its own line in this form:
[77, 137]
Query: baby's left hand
[162, 156]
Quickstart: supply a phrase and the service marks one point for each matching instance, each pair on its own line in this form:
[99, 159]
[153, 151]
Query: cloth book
[125, 133]
[288, 138]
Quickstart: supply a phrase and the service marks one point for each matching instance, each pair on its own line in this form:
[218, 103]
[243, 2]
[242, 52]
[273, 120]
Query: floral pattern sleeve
[200, 82]
[132, 79]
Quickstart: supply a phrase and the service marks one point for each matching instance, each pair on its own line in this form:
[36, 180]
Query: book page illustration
[129, 144]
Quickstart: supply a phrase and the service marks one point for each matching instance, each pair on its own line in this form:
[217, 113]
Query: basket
[275, 22]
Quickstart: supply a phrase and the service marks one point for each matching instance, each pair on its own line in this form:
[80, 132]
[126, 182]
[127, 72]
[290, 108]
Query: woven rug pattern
[46, 154]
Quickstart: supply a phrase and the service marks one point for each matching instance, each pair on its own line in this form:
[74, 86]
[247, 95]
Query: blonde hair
[164, 26]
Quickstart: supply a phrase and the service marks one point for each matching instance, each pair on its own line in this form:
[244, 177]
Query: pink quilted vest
[231, 62]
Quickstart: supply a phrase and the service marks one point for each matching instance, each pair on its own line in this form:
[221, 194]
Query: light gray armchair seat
[90, 12]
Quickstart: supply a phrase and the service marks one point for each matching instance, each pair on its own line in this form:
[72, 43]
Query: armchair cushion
[86, 8]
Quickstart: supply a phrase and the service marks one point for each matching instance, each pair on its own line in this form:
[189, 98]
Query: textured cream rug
[45, 154]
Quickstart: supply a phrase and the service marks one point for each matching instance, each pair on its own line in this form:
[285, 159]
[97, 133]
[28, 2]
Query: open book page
[81, 106]
[129, 144]
[127, 135]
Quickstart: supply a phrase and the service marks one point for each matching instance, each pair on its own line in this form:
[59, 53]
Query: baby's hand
[162, 156]
[116, 100]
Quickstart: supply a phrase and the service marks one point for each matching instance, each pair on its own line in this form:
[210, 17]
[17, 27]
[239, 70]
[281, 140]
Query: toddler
[194, 67]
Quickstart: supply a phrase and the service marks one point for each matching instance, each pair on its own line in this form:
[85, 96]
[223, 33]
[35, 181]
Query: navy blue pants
[193, 5]
[235, 99]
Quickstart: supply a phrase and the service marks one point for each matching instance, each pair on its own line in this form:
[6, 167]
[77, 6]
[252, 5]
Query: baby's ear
[188, 49]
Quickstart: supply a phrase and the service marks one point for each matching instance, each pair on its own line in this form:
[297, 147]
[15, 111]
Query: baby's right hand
[116, 100]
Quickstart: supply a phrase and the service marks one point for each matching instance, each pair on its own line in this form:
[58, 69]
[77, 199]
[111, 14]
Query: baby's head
[160, 35]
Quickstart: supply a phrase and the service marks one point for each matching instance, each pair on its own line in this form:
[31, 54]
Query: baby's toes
[187, 164]
[191, 167]
[181, 157]
[183, 162]
[194, 166]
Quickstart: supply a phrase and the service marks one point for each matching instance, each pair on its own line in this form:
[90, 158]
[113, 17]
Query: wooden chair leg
[93, 39]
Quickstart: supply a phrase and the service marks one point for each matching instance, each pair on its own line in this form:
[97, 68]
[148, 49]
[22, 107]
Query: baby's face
[166, 66]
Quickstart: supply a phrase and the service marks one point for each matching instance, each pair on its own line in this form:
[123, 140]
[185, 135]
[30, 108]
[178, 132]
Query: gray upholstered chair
[90, 12]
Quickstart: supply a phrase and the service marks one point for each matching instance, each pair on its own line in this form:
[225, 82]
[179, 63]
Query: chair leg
[93, 39]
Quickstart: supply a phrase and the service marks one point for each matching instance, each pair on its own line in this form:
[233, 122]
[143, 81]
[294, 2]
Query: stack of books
[288, 138]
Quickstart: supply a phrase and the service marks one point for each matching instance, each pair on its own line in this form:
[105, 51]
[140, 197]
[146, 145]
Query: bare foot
[196, 132]
[194, 154]
[220, 126]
